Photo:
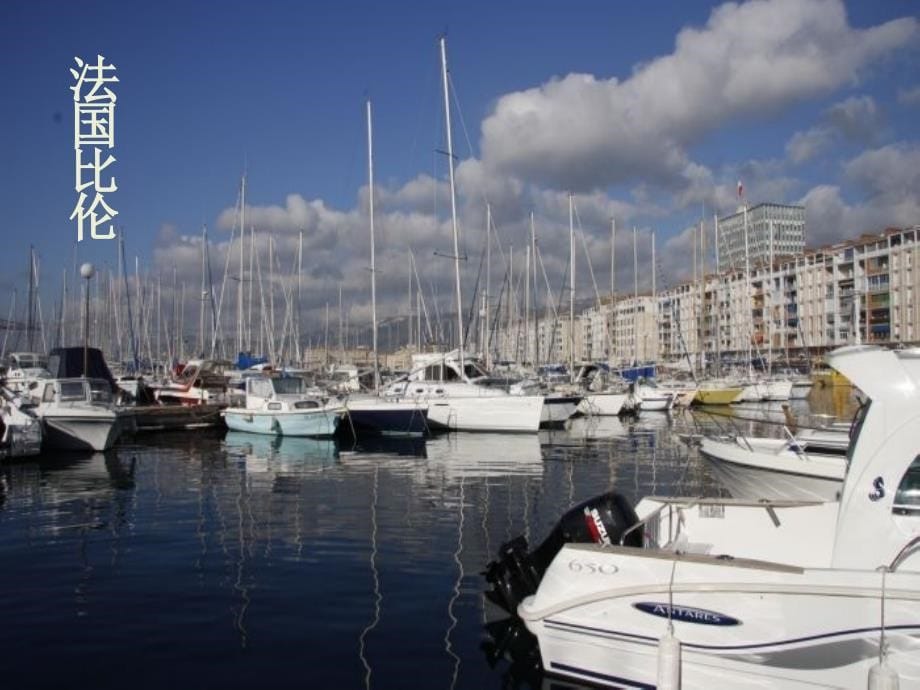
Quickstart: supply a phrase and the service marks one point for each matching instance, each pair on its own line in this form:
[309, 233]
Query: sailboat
[373, 415]
[453, 384]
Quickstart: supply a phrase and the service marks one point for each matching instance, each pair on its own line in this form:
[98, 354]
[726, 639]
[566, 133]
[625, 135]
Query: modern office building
[773, 230]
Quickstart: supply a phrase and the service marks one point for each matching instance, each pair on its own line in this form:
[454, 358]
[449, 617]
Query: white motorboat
[801, 387]
[20, 430]
[718, 593]
[653, 399]
[78, 414]
[774, 468]
[280, 406]
[467, 399]
[200, 381]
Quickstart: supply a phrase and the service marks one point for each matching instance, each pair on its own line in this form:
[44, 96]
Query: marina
[228, 553]
[582, 355]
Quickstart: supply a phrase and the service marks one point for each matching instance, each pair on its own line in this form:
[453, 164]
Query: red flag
[740, 190]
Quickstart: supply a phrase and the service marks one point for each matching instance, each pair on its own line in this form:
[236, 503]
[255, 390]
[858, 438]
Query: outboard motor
[516, 574]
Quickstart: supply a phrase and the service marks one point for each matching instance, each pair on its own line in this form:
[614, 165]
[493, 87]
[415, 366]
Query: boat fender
[882, 677]
[668, 661]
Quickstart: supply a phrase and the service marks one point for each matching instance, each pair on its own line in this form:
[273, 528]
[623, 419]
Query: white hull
[774, 474]
[656, 403]
[602, 404]
[800, 391]
[778, 391]
[96, 432]
[487, 413]
[557, 409]
[740, 624]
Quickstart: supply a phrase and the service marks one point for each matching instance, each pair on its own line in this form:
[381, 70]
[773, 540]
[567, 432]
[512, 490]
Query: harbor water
[240, 561]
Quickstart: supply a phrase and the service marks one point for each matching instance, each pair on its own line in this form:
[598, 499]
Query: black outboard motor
[516, 574]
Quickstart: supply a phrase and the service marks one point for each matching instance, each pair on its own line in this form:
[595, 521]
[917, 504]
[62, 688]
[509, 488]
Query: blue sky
[811, 101]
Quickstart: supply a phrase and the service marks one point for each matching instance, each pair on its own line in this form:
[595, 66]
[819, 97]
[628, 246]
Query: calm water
[239, 561]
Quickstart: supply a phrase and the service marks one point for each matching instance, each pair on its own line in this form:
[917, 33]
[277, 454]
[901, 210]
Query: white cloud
[803, 146]
[583, 132]
[857, 120]
[888, 180]
[909, 96]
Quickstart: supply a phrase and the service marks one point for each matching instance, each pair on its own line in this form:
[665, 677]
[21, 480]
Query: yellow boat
[717, 394]
[824, 376]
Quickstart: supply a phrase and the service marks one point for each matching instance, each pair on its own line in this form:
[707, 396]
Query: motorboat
[466, 398]
[716, 592]
[810, 466]
[21, 369]
[717, 392]
[20, 429]
[604, 395]
[78, 414]
[279, 405]
[199, 382]
[653, 399]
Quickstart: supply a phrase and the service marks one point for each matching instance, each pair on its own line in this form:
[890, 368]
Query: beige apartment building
[862, 290]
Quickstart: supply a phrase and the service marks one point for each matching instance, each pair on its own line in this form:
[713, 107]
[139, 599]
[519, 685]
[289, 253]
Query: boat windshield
[858, 419]
[72, 390]
[292, 385]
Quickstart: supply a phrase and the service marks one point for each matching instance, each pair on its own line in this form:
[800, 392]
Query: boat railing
[651, 524]
[906, 551]
[739, 436]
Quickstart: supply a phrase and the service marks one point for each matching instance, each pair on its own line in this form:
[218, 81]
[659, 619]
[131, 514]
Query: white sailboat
[453, 384]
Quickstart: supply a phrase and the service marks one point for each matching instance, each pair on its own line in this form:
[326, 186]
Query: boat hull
[717, 396]
[513, 413]
[90, 432]
[315, 423]
[599, 614]
[602, 404]
[774, 474]
[385, 418]
[557, 409]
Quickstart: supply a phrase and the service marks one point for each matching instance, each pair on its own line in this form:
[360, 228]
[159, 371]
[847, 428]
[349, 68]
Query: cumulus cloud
[909, 96]
[888, 182]
[582, 132]
[857, 120]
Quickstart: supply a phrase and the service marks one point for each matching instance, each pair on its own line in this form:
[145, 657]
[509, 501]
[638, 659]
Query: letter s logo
[878, 484]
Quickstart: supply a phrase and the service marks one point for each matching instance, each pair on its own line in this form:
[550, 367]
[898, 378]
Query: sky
[648, 115]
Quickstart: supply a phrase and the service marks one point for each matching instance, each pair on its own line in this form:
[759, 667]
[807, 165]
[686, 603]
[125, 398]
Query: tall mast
[30, 315]
[239, 292]
[297, 334]
[533, 251]
[370, 212]
[202, 296]
[636, 294]
[747, 286]
[488, 294]
[715, 223]
[770, 321]
[571, 291]
[613, 289]
[453, 204]
[654, 297]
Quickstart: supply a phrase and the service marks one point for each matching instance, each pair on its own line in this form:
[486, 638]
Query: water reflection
[223, 554]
